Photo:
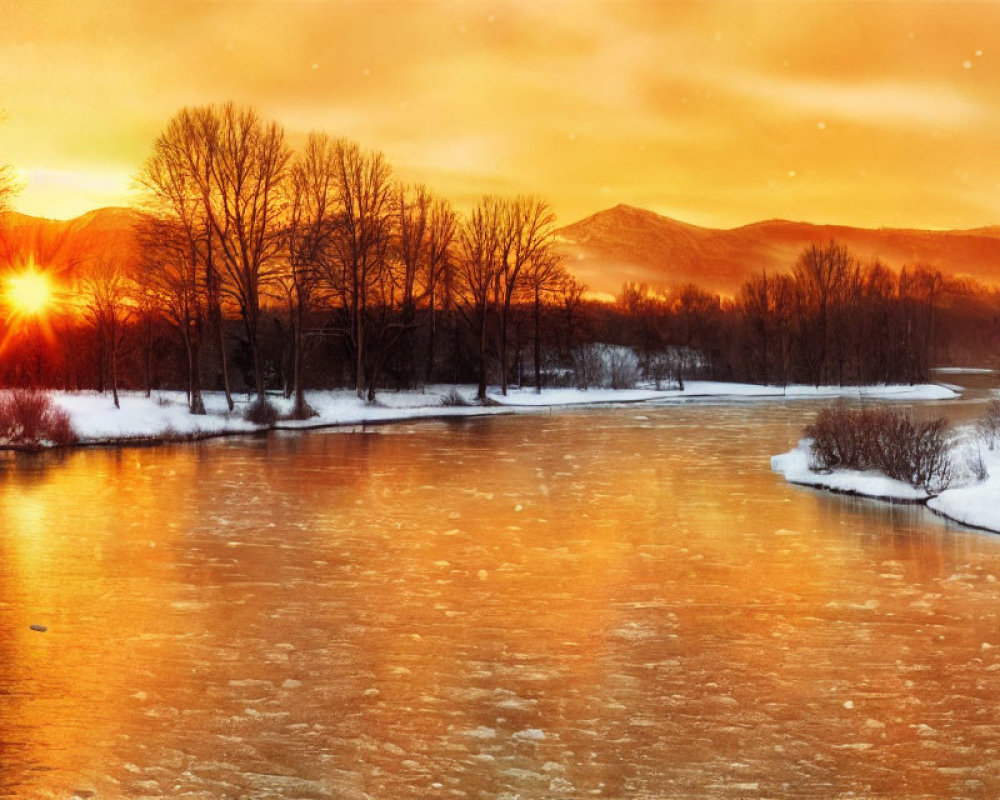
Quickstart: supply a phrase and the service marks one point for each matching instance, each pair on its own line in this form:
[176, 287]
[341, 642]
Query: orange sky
[714, 113]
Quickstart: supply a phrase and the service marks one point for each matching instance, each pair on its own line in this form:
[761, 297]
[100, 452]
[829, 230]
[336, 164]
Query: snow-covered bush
[989, 425]
[588, 366]
[889, 440]
[672, 364]
[972, 466]
[622, 367]
[261, 412]
[454, 398]
[605, 366]
[29, 418]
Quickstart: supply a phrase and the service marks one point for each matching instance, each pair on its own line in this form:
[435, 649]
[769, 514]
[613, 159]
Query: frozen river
[606, 603]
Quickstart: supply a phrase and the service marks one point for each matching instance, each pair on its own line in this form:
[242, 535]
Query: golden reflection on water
[613, 603]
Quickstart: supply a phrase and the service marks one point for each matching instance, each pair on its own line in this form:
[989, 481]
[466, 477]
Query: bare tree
[105, 292]
[361, 238]
[312, 190]
[543, 277]
[440, 240]
[168, 273]
[479, 272]
[176, 238]
[526, 233]
[236, 163]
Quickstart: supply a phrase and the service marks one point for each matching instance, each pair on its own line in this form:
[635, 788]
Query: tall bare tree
[542, 279]
[235, 162]
[312, 190]
[168, 273]
[440, 241]
[176, 238]
[526, 234]
[479, 270]
[105, 292]
[361, 238]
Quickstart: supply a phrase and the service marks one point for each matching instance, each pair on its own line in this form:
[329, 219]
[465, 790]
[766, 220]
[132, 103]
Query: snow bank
[975, 504]
[969, 503]
[963, 370]
[701, 389]
[165, 415]
[794, 465]
[574, 397]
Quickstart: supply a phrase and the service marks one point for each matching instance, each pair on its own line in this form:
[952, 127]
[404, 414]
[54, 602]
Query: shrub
[588, 366]
[973, 465]
[605, 366]
[623, 367]
[261, 412]
[890, 441]
[29, 418]
[454, 398]
[989, 425]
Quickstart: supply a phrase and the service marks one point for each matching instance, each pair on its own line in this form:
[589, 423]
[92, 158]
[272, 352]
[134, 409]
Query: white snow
[975, 504]
[963, 370]
[794, 465]
[165, 414]
[696, 389]
[972, 503]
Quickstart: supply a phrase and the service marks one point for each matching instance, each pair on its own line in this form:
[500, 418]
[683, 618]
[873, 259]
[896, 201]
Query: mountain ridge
[604, 250]
[626, 243]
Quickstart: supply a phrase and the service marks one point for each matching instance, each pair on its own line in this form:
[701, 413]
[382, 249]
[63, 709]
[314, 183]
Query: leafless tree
[479, 270]
[525, 234]
[361, 239]
[312, 196]
[176, 238]
[168, 271]
[543, 277]
[235, 162]
[105, 292]
[440, 241]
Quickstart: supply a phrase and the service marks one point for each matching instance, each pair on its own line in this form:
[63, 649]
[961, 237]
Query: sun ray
[28, 293]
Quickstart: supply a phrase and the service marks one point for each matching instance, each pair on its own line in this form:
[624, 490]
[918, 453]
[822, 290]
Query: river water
[605, 603]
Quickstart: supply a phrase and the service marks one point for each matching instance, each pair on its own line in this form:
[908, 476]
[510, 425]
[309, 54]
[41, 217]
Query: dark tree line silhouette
[264, 269]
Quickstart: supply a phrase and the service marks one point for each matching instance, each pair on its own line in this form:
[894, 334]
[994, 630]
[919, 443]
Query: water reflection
[613, 603]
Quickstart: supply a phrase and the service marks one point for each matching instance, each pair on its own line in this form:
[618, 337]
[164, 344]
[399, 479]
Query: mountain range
[632, 244]
[603, 251]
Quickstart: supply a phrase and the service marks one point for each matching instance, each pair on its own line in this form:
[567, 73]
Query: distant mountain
[632, 244]
[63, 246]
[604, 250]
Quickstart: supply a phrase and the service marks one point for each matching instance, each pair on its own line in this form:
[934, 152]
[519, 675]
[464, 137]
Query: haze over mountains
[603, 250]
[632, 244]
[63, 246]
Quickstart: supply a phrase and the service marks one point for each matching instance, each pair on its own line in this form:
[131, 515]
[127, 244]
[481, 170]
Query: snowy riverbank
[164, 416]
[976, 504]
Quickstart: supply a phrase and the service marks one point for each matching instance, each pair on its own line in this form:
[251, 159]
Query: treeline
[262, 269]
[324, 245]
[833, 319]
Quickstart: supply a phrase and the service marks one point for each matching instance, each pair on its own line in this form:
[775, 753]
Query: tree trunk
[538, 346]
[429, 370]
[258, 375]
[225, 363]
[503, 350]
[301, 409]
[114, 358]
[149, 356]
[359, 342]
[481, 393]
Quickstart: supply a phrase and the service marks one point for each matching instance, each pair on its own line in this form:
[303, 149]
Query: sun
[28, 293]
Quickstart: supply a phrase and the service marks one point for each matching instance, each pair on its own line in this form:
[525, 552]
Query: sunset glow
[28, 293]
[715, 113]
